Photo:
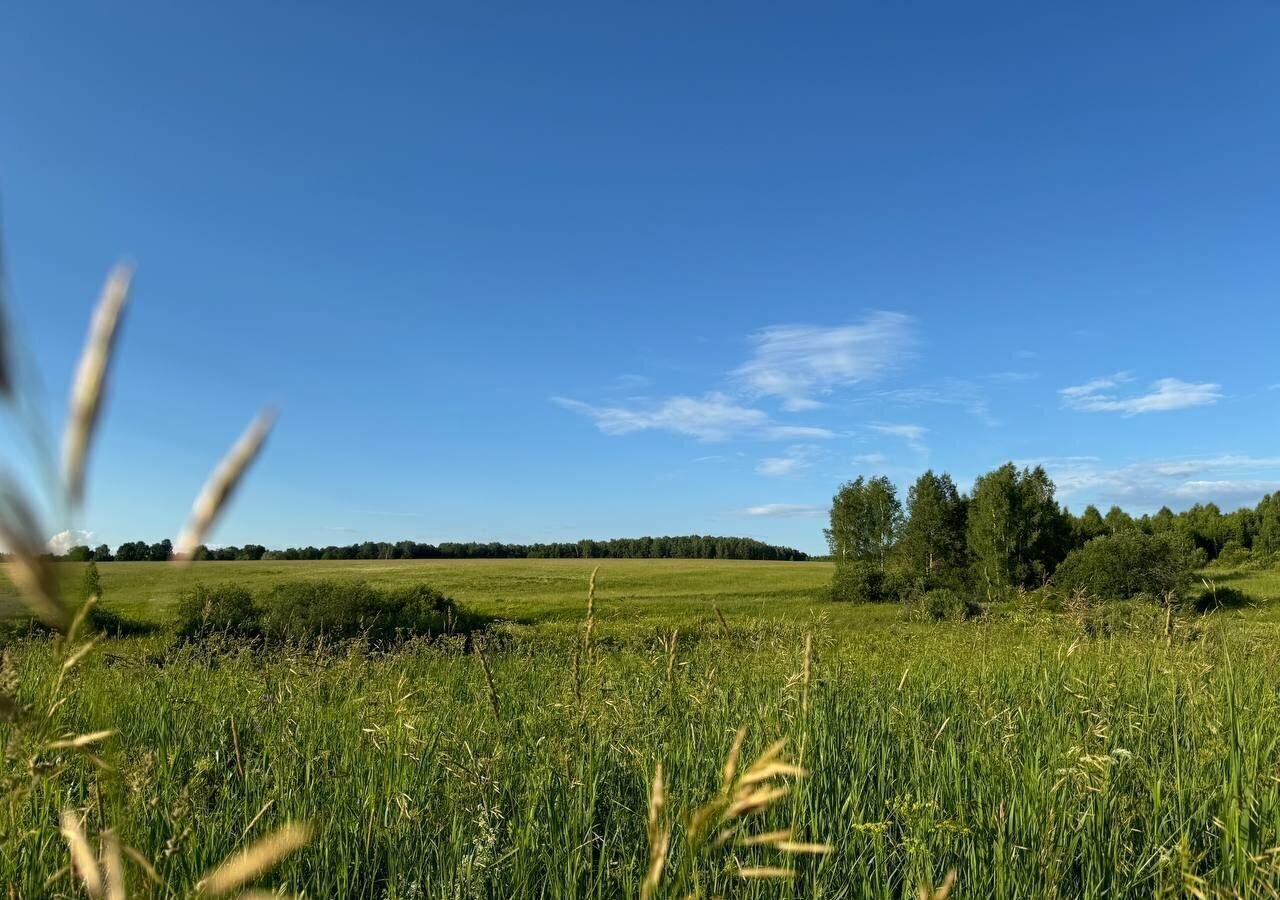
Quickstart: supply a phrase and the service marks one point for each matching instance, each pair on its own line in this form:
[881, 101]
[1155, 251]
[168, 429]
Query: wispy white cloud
[784, 510]
[1227, 490]
[712, 417]
[1095, 385]
[794, 459]
[965, 393]
[1226, 479]
[799, 363]
[63, 541]
[711, 458]
[1164, 395]
[783, 432]
[870, 459]
[912, 434]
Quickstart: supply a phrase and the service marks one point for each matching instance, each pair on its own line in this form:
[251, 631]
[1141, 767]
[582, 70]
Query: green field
[1035, 753]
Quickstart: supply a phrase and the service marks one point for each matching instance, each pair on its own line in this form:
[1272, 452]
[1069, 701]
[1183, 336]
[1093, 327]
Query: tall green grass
[1033, 761]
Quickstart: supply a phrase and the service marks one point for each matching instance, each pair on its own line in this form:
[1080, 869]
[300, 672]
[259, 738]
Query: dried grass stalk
[113, 866]
[248, 864]
[659, 837]
[765, 872]
[942, 891]
[91, 376]
[222, 484]
[28, 569]
[82, 859]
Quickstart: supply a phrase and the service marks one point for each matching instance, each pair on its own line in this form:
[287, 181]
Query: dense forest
[694, 546]
[1009, 532]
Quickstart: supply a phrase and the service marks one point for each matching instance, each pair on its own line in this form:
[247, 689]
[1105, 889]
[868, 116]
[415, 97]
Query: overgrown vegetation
[1128, 564]
[305, 612]
[1133, 760]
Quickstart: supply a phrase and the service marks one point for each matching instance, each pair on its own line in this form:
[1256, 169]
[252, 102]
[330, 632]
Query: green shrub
[305, 611]
[418, 609]
[218, 609]
[940, 605]
[898, 585]
[857, 582]
[1128, 564]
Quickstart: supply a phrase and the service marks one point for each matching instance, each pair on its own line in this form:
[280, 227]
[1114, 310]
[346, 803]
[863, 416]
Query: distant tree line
[1009, 531]
[693, 546]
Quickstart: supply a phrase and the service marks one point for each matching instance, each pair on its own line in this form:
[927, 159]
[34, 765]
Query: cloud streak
[1163, 395]
[784, 511]
[712, 417]
[795, 459]
[1226, 479]
[912, 434]
[799, 363]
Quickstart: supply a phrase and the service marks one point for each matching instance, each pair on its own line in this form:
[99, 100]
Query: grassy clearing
[1032, 759]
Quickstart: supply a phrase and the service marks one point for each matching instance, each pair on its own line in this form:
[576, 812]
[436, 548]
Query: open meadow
[1035, 753]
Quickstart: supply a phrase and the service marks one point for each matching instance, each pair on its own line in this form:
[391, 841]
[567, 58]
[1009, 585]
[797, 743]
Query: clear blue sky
[552, 271]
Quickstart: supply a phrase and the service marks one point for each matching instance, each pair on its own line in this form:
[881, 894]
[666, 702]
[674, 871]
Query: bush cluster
[308, 611]
[1128, 564]
[858, 582]
[939, 605]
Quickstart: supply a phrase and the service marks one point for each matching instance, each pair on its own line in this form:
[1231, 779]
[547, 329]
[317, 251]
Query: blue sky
[548, 271]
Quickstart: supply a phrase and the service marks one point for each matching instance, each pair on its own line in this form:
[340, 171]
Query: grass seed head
[659, 837]
[82, 859]
[248, 864]
[765, 872]
[222, 484]
[113, 866]
[28, 568]
[89, 387]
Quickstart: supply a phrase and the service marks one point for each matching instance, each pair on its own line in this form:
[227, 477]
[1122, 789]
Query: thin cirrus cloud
[913, 435]
[784, 511]
[1164, 395]
[1226, 479]
[794, 459]
[965, 393]
[794, 363]
[799, 363]
[712, 417]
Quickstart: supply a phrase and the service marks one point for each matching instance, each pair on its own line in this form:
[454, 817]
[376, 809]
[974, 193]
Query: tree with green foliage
[866, 517]
[933, 537]
[1118, 520]
[1016, 531]
[1267, 523]
[1089, 525]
